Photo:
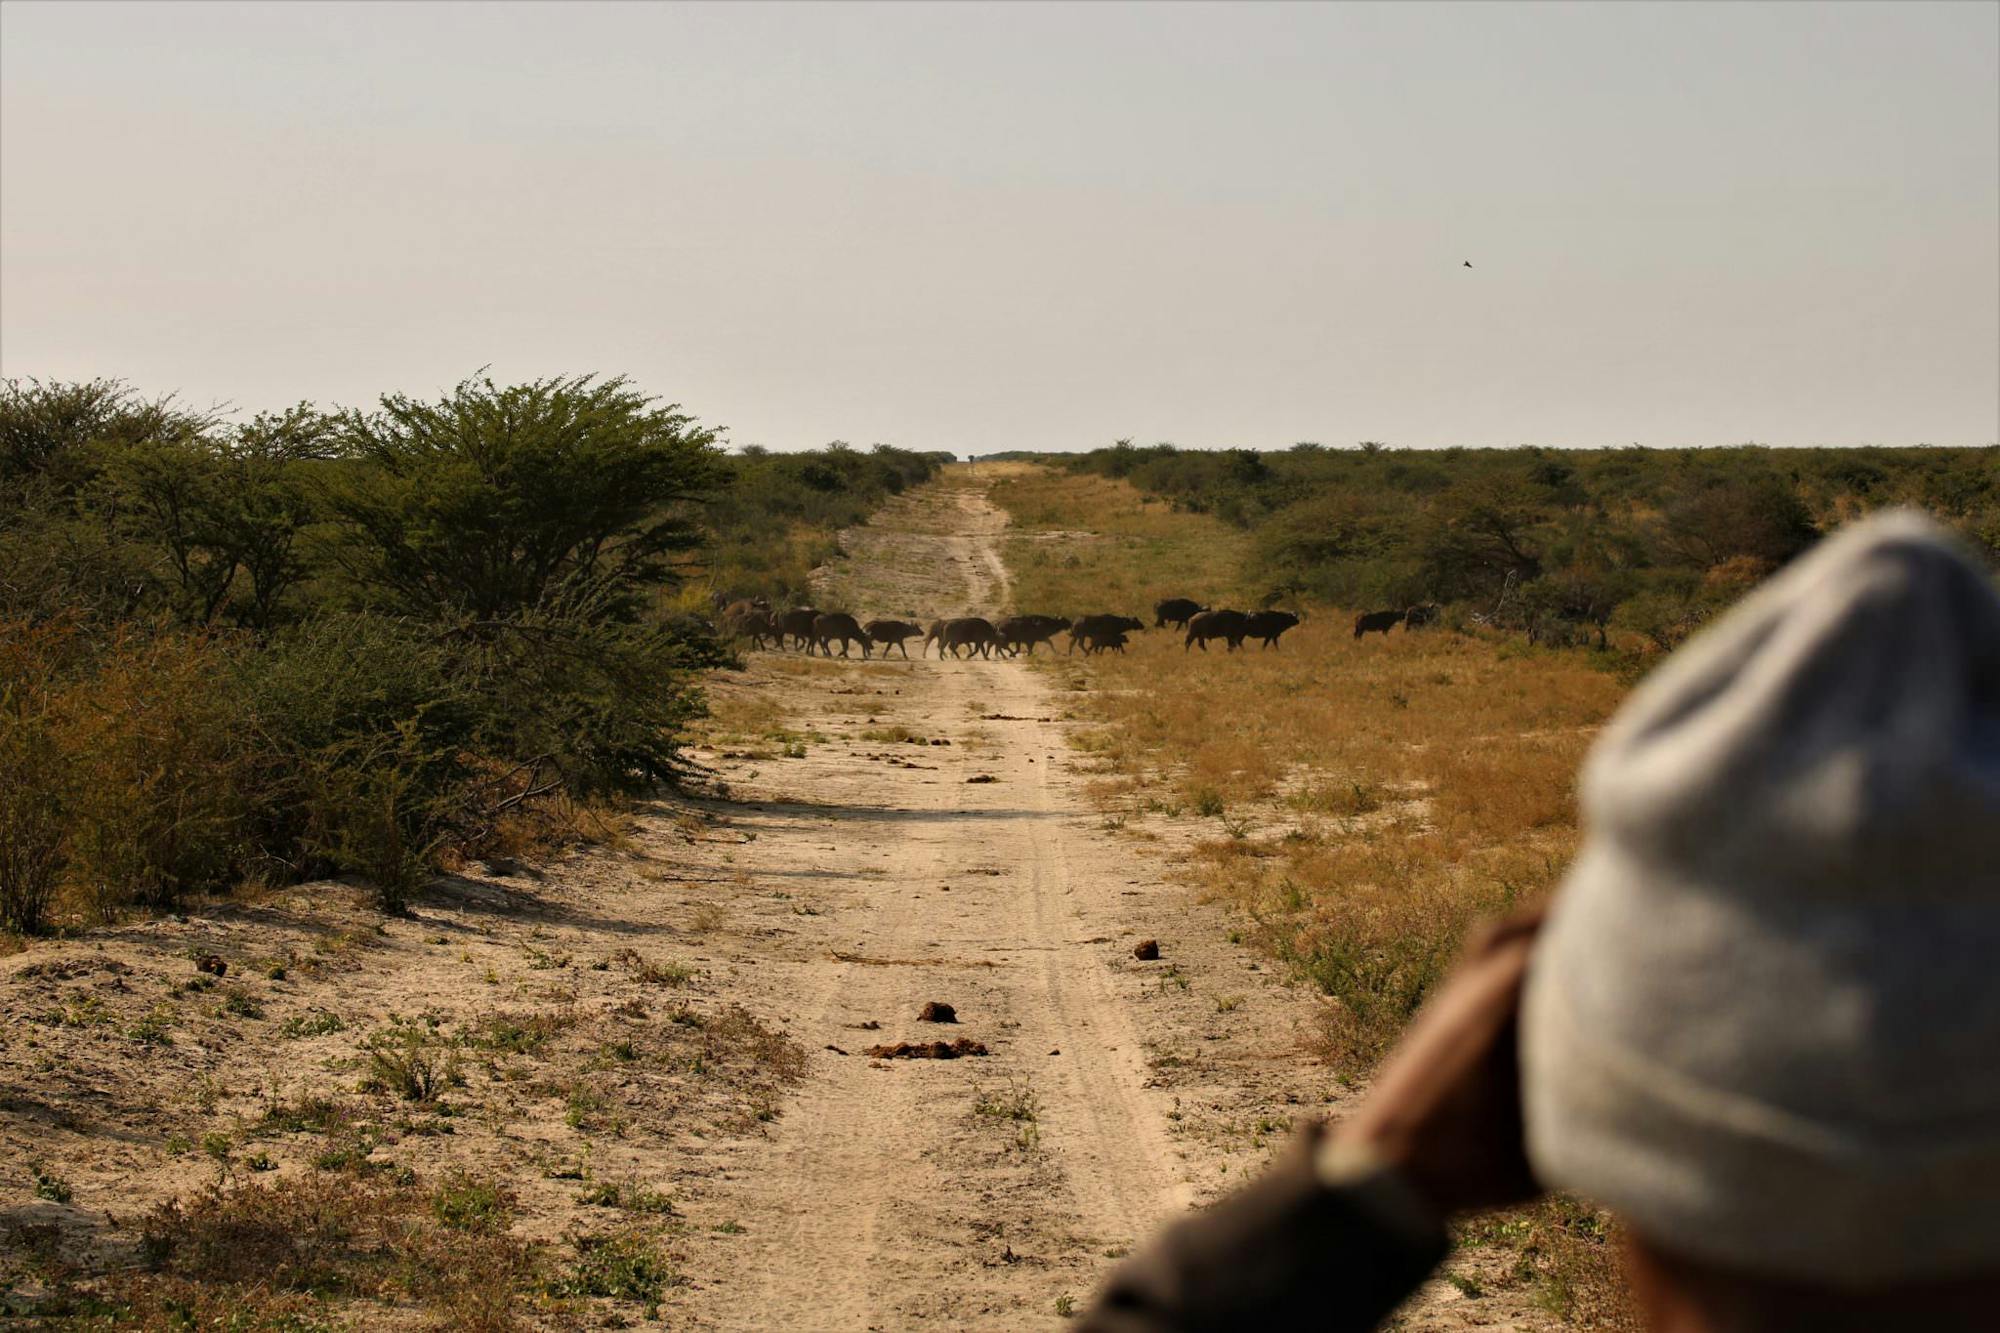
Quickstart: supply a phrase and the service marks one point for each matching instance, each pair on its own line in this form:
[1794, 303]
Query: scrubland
[366, 965]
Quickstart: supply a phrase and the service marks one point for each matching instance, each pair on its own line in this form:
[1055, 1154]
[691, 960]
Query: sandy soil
[930, 839]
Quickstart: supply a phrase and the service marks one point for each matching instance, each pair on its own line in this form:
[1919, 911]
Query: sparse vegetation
[49, 1185]
[409, 1061]
[626, 1265]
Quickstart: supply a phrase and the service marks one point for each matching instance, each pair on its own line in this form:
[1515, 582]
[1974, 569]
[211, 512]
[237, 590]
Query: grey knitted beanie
[1762, 1023]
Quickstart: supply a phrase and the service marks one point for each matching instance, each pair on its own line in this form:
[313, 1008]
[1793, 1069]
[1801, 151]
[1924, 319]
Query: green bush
[488, 501]
[355, 642]
[1557, 545]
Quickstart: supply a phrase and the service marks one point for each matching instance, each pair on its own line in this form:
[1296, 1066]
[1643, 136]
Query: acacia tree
[225, 511]
[489, 500]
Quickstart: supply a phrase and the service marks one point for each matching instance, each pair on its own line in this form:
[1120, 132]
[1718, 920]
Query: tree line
[372, 641]
[1561, 545]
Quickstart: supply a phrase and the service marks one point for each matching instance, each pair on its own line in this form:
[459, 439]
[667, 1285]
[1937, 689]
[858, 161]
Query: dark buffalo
[1176, 611]
[1228, 625]
[796, 624]
[891, 633]
[934, 634]
[1268, 625]
[968, 632]
[1089, 630]
[755, 626]
[838, 627]
[1114, 641]
[1420, 615]
[1369, 622]
[1018, 632]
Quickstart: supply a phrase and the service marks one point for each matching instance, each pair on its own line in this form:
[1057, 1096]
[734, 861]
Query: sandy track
[887, 1197]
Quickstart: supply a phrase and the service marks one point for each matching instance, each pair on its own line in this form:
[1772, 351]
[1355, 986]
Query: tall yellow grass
[1370, 798]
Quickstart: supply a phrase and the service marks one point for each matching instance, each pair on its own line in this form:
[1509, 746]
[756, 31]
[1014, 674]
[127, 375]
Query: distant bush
[776, 518]
[1561, 546]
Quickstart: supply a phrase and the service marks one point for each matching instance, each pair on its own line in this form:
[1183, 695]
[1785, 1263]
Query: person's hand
[1445, 1111]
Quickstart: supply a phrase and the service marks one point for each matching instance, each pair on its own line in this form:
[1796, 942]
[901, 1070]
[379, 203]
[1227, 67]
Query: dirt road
[976, 1190]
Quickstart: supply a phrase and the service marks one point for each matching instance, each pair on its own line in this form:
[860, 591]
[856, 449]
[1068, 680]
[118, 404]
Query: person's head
[1762, 1024]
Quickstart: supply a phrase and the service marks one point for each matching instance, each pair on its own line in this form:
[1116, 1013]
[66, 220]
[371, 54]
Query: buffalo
[1019, 632]
[1090, 630]
[1420, 615]
[1176, 611]
[968, 632]
[755, 626]
[1369, 622]
[838, 627]
[1268, 625]
[1227, 625]
[1112, 641]
[891, 633]
[796, 623]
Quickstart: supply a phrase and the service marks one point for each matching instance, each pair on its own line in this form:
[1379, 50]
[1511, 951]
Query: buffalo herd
[817, 632]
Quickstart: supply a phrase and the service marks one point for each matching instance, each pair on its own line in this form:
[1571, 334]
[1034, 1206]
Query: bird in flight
[1468, 263]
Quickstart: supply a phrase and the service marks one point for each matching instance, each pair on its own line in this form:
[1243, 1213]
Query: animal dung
[928, 1050]
[211, 964]
[982, 777]
[937, 1011]
[1146, 950]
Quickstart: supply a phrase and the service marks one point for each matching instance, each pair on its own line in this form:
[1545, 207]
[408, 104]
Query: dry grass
[1086, 544]
[1370, 797]
[1361, 802]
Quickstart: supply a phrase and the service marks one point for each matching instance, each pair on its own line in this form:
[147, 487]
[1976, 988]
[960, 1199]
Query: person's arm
[1289, 1251]
[1350, 1220]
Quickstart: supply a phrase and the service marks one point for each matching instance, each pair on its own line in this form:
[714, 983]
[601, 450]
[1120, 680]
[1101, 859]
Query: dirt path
[971, 1191]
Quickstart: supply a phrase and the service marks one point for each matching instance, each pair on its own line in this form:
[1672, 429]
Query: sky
[1036, 226]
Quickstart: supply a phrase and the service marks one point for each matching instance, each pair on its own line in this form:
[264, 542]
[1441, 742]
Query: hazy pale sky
[1033, 226]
